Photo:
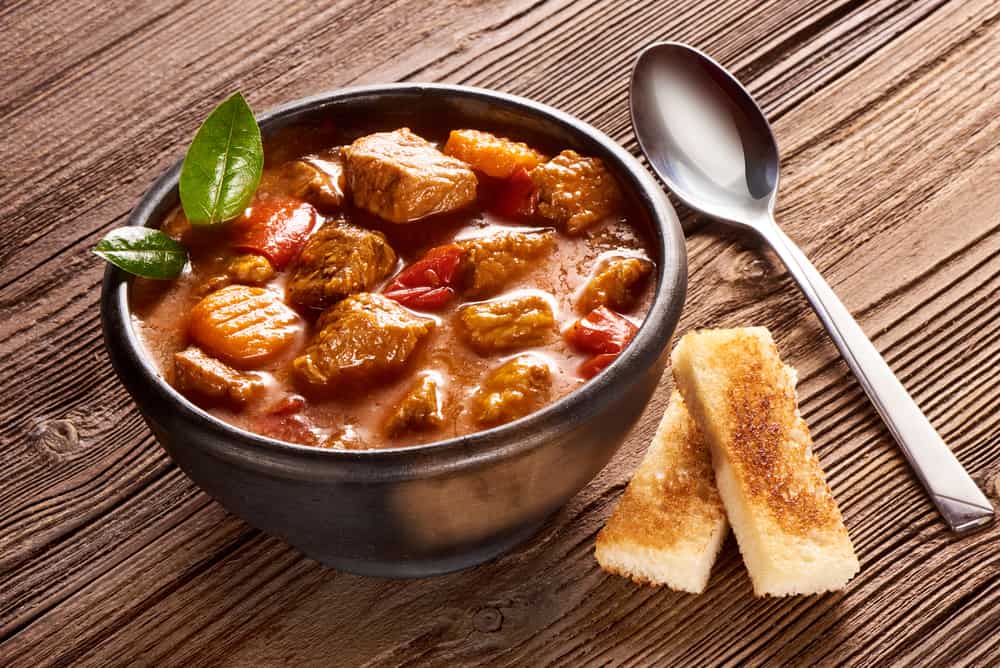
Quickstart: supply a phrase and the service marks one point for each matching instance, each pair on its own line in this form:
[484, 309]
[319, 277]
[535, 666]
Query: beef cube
[338, 260]
[507, 323]
[494, 156]
[199, 375]
[490, 262]
[614, 284]
[250, 269]
[319, 179]
[402, 177]
[359, 341]
[298, 428]
[211, 283]
[344, 438]
[247, 269]
[512, 390]
[419, 409]
[574, 191]
[291, 428]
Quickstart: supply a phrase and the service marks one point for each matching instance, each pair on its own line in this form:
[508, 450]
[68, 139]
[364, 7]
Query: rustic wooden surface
[888, 117]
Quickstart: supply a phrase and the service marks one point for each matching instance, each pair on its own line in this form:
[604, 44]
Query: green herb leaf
[222, 167]
[143, 252]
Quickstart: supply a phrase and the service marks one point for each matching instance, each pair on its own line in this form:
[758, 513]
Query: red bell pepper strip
[435, 269]
[427, 283]
[425, 298]
[275, 227]
[516, 195]
[596, 365]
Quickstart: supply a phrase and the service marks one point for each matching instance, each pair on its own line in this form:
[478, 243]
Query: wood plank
[890, 184]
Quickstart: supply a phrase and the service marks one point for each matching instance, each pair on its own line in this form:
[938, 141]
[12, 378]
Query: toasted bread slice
[786, 521]
[669, 525]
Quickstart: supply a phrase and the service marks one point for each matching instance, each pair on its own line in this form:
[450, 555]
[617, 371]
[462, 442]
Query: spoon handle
[957, 497]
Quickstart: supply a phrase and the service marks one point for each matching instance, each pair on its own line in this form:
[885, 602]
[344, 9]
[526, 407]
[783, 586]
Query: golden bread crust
[670, 511]
[786, 520]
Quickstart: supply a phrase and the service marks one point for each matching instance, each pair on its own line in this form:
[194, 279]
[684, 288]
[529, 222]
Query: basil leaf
[222, 167]
[143, 252]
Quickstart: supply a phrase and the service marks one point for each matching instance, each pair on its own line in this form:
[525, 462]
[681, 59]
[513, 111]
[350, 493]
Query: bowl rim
[125, 347]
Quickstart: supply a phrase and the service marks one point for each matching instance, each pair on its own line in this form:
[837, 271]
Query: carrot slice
[243, 325]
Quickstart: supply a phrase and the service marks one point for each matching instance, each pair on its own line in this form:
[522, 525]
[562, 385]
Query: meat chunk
[243, 325]
[319, 179]
[507, 323]
[247, 269]
[360, 340]
[494, 156]
[614, 284]
[490, 262]
[299, 428]
[338, 260]
[419, 410]
[512, 390]
[196, 374]
[344, 438]
[290, 427]
[250, 269]
[212, 283]
[574, 191]
[402, 177]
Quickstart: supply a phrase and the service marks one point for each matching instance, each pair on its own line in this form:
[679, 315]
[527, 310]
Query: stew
[391, 291]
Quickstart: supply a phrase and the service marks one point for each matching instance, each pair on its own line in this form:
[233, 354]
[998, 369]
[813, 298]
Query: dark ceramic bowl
[433, 508]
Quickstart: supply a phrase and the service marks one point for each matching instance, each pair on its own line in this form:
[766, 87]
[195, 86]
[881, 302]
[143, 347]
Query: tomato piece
[516, 195]
[275, 227]
[435, 269]
[596, 364]
[421, 297]
[602, 331]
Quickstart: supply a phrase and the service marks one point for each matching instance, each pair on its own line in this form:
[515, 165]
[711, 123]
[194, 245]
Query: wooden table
[888, 117]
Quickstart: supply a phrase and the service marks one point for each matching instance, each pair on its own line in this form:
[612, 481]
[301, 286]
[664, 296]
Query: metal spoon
[712, 146]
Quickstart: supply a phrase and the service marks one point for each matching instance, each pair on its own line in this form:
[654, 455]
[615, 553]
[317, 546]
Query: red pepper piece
[422, 297]
[516, 195]
[275, 227]
[601, 331]
[604, 333]
[596, 364]
[435, 269]
[426, 284]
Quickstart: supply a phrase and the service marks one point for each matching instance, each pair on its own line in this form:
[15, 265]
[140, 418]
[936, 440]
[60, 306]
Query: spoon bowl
[712, 146]
[704, 134]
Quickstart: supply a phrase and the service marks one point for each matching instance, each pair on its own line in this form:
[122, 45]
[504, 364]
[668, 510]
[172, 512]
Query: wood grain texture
[888, 118]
